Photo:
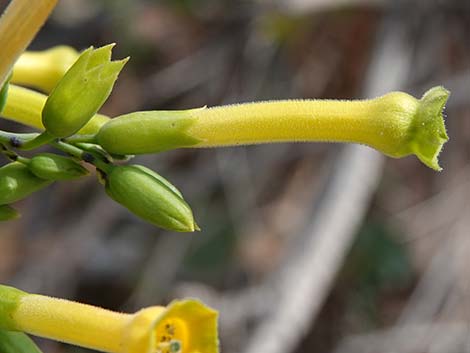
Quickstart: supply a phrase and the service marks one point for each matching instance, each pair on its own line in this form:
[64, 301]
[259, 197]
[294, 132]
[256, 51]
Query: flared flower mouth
[428, 132]
[185, 326]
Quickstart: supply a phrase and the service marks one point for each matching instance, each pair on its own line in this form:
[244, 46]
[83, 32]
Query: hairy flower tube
[43, 69]
[18, 25]
[185, 326]
[25, 106]
[396, 124]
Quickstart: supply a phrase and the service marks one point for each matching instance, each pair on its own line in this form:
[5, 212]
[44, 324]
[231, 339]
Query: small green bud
[81, 92]
[17, 182]
[160, 179]
[54, 167]
[7, 213]
[147, 132]
[150, 199]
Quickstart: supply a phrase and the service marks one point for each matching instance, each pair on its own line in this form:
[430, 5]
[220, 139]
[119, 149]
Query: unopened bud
[160, 179]
[8, 213]
[149, 198]
[81, 92]
[54, 167]
[17, 182]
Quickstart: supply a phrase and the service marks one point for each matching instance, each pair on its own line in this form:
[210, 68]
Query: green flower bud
[160, 179]
[147, 132]
[8, 213]
[17, 342]
[150, 199]
[54, 167]
[17, 182]
[81, 92]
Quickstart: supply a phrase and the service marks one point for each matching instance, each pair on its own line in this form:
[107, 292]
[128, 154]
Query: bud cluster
[71, 107]
[396, 124]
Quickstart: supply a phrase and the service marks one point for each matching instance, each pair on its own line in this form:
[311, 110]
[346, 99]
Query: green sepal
[149, 198]
[54, 167]
[9, 300]
[17, 182]
[81, 92]
[17, 342]
[8, 213]
[148, 132]
[427, 132]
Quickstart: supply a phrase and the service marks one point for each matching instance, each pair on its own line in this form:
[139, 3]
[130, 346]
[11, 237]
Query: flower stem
[87, 156]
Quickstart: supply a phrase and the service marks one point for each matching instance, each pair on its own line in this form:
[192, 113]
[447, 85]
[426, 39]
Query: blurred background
[304, 247]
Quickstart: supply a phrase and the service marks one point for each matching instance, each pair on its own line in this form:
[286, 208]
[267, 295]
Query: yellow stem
[25, 106]
[18, 26]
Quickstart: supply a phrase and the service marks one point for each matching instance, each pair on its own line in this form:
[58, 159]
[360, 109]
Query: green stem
[16, 140]
[87, 156]
[90, 138]
[38, 141]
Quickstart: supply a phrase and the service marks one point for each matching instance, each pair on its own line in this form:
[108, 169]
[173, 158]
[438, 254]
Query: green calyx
[9, 300]
[149, 198]
[8, 213]
[81, 92]
[427, 131]
[17, 342]
[54, 167]
[147, 132]
[17, 182]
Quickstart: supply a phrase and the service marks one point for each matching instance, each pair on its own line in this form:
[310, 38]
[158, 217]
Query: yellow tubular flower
[18, 25]
[185, 326]
[396, 124]
[25, 106]
[43, 69]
